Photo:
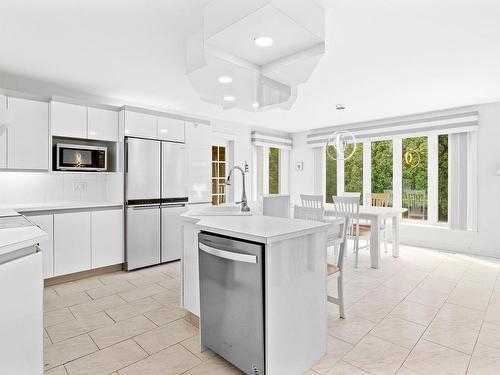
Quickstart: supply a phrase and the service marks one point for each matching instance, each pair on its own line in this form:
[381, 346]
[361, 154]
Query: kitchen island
[294, 283]
[21, 293]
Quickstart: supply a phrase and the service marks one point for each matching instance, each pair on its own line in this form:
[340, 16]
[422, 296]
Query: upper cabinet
[79, 121]
[28, 134]
[102, 124]
[141, 125]
[68, 120]
[153, 126]
[170, 129]
[24, 134]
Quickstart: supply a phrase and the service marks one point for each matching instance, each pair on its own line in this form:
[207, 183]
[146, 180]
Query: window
[218, 175]
[443, 178]
[274, 170]
[415, 178]
[353, 169]
[331, 175]
[381, 172]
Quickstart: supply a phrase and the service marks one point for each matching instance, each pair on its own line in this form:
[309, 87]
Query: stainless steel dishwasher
[232, 300]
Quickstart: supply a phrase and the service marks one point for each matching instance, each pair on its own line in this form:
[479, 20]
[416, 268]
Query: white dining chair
[382, 200]
[348, 207]
[314, 201]
[335, 237]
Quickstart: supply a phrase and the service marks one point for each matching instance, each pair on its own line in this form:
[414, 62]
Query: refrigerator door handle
[228, 254]
[146, 207]
[173, 205]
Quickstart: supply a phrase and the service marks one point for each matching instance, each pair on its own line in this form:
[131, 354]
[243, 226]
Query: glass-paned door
[218, 175]
[381, 172]
[274, 170]
[443, 178]
[353, 169]
[415, 177]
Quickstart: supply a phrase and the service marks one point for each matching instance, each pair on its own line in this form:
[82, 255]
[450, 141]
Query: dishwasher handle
[228, 254]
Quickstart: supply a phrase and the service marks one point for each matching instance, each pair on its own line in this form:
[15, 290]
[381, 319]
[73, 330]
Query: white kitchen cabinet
[140, 125]
[28, 134]
[107, 238]
[4, 121]
[68, 120]
[71, 242]
[3, 146]
[102, 124]
[170, 129]
[46, 223]
[4, 111]
[199, 161]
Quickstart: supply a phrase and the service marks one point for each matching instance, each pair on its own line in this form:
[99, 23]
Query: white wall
[483, 242]
[301, 182]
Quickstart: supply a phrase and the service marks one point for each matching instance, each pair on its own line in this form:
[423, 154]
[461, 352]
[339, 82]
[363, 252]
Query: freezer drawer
[171, 234]
[142, 177]
[173, 174]
[232, 300]
[143, 236]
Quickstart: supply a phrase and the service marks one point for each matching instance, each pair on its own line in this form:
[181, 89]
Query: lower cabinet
[71, 242]
[46, 223]
[80, 241]
[107, 237]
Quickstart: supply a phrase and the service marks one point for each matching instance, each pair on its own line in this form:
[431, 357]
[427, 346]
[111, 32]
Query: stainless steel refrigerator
[155, 197]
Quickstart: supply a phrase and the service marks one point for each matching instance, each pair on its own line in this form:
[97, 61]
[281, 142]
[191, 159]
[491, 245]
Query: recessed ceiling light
[163, 130]
[255, 105]
[263, 41]
[229, 98]
[340, 106]
[225, 79]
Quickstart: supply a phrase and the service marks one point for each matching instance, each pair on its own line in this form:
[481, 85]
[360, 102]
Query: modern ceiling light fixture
[255, 105]
[229, 98]
[225, 79]
[290, 36]
[263, 41]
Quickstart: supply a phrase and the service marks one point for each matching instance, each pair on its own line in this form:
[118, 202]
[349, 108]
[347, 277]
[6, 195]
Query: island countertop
[12, 239]
[257, 228]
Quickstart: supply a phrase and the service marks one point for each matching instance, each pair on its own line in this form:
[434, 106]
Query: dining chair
[314, 201]
[382, 200]
[348, 207]
[335, 237]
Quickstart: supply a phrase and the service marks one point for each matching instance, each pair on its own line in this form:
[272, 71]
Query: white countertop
[54, 206]
[17, 238]
[263, 229]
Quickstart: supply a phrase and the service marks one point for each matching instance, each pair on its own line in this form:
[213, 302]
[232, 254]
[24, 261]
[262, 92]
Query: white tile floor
[425, 313]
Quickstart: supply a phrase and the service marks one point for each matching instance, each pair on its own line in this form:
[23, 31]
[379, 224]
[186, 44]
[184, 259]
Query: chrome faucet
[244, 205]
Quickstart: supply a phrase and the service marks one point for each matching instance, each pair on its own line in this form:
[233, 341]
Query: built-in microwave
[81, 157]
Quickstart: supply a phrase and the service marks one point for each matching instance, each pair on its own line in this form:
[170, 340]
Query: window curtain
[462, 181]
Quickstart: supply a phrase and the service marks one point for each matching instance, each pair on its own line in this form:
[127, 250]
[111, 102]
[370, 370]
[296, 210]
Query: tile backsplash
[39, 187]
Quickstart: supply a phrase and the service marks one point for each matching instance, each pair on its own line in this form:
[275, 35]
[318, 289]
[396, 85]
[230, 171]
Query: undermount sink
[223, 210]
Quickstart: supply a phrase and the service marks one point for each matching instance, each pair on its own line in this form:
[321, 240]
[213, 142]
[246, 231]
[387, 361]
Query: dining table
[376, 215]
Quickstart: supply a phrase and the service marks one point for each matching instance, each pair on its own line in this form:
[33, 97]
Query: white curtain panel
[458, 180]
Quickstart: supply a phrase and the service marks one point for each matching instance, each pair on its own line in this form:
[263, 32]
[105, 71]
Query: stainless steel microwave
[81, 157]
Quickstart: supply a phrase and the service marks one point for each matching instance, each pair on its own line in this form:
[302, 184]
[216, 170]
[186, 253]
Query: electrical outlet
[79, 186]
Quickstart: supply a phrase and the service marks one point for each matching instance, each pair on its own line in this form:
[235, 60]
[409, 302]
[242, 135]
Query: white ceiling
[383, 57]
